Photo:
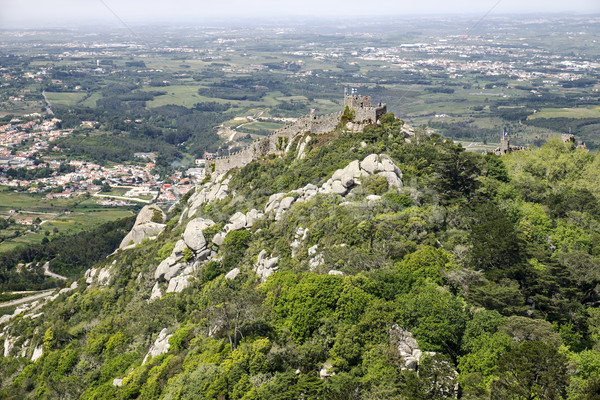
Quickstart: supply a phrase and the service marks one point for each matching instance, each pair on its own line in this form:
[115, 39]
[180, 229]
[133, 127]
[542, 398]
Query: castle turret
[363, 110]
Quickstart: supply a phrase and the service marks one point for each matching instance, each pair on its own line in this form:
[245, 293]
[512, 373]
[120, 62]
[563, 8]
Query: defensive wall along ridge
[279, 140]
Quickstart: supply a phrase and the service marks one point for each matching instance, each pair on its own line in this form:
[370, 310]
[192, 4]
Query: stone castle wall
[276, 141]
[364, 111]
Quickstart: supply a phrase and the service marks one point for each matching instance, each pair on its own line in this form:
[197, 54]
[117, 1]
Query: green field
[64, 98]
[587, 112]
[58, 215]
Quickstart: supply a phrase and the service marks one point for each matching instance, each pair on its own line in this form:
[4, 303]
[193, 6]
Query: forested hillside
[474, 277]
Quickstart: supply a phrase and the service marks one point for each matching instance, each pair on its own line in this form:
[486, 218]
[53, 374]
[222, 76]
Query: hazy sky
[65, 12]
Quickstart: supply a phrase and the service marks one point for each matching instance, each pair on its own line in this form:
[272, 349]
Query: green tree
[529, 371]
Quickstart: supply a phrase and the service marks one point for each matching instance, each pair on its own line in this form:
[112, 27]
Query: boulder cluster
[193, 249]
[148, 224]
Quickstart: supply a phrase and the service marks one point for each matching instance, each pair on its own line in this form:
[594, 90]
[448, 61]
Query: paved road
[27, 299]
[123, 198]
[47, 104]
[47, 272]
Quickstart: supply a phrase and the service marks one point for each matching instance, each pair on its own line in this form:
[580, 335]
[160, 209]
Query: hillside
[349, 265]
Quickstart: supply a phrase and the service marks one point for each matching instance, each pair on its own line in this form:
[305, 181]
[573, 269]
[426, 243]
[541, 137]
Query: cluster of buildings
[35, 136]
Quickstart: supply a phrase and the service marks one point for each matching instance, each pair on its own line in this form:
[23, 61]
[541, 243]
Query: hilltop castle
[364, 112]
[282, 139]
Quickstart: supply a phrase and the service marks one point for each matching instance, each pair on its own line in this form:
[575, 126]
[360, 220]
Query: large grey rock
[138, 233]
[273, 202]
[252, 216]
[148, 213]
[178, 283]
[156, 293]
[338, 188]
[103, 276]
[392, 179]
[370, 163]
[37, 353]
[164, 266]
[236, 222]
[9, 344]
[265, 266]
[286, 203]
[180, 246]
[348, 174]
[231, 275]
[174, 270]
[160, 346]
[219, 238]
[193, 236]
[302, 148]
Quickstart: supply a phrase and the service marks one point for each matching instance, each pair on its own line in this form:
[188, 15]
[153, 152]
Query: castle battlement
[279, 140]
[363, 110]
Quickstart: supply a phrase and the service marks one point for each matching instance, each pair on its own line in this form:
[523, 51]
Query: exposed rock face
[9, 344]
[231, 275]
[193, 236]
[100, 275]
[148, 224]
[302, 147]
[265, 266]
[340, 183]
[407, 346]
[156, 293]
[316, 259]
[37, 353]
[160, 346]
[215, 190]
[236, 222]
[178, 283]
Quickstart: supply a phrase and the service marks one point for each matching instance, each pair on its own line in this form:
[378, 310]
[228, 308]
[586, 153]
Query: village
[115, 185]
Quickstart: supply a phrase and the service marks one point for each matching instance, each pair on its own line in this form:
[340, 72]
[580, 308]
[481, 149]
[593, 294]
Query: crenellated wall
[275, 142]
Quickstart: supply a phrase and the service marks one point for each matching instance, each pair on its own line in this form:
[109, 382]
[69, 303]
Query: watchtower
[363, 110]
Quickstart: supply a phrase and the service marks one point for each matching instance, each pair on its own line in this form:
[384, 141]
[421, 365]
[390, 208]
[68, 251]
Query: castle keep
[364, 112]
[282, 139]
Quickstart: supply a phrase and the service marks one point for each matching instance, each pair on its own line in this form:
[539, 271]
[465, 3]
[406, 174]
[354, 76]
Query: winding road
[51, 274]
[27, 299]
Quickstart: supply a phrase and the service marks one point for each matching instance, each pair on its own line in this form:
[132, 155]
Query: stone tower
[363, 110]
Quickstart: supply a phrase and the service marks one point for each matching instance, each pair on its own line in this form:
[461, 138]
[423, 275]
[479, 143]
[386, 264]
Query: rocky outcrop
[231, 275]
[265, 266]
[160, 346]
[216, 190]
[148, 224]
[156, 292]
[100, 275]
[179, 283]
[193, 236]
[316, 258]
[407, 346]
[341, 182]
[37, 353]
